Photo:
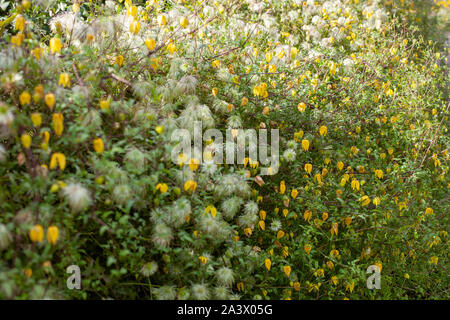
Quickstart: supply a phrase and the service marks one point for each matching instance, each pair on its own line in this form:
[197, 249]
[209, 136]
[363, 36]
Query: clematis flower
[64, 80]
[58, 159]
[55, 45]
[52, 234]
[98, 145]
[305, 144]
[25, 98]
[58, 123]
[50, 100]
[37, 233]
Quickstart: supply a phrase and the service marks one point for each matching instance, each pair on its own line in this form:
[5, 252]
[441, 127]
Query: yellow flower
[52, 234]
[434, 260]
[334, 280]
[348, 221]
[37, 233]
[28, 272]
[330, 265]
[184, 22]
[340, 165]
[308, 168]
[159, 129]
[150, 43]
[26, 140]
[37, 53]
[58, 159]
[294, 193]
[287, 270]
[50, 100]
[211, 209]
[365, 200]
[379, 174]
[240, 286]
[104, 104]
[203, 259]
[268, 264]
[46, 136]
[285, 252]
[301, 107]
[162, 187]
[429, 211]
[298, 135]
[98, 145]
[58, 123]
[323, 130]
[25, 98]
[17, 39]
[215, 63]
[20, 23]
[248, 232]
[305, 144]
[262, 225]
[296, 286]
[55, 45]
[64, 80]
[132, 11]
[119, 60]
[190, 185]
[349, 286]
[307, 215]
[280, 234]
[320, 272]
[324, 216]
[135, 27]
[36, 118]
[244, 101]
[318, 178]
[262, 214]
[355, 185]
[334, 253]
[162, 20]
[282, 187]
[90, 37]
[307, 248]
[334, 228]
[75, 7]
[214, 91]
[376, 201]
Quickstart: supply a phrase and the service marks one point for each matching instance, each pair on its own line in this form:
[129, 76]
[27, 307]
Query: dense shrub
[92, 91]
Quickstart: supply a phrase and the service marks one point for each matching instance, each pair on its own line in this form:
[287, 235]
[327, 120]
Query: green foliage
[357, 89]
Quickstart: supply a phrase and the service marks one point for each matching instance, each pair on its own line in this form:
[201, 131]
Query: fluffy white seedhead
[231, 206]
[149, 269]
[289, 155]
[275, 225]
[162, 235]
[221, 293]
[200, 292]
[5, 237]
[121, 194]
[78, 197]
[179, 211]
[135, 160]
[225, 276]
[251, 207]
[165, 293]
